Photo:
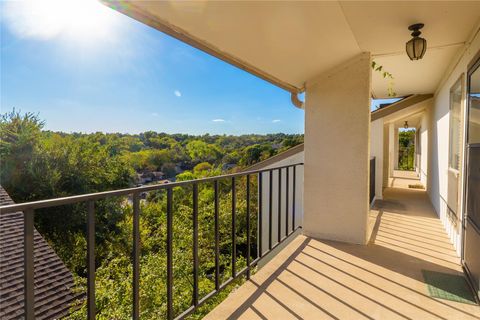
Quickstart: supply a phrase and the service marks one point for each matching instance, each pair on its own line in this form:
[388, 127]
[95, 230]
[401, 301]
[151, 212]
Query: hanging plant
[386, 75]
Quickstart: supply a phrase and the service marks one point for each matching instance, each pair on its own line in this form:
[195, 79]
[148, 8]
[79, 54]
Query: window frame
[460, 83]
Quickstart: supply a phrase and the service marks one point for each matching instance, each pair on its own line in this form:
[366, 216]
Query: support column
[386, 158]
[337, 152]
[391, 152]
[395, 146]
[376, 150]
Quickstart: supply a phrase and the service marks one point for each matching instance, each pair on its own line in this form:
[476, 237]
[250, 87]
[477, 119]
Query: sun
[81, 21]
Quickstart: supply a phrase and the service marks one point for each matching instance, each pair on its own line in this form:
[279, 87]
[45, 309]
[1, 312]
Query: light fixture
[417, 46]
[406, 125]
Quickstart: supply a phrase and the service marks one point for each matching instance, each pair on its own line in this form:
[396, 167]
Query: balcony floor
[312, 279]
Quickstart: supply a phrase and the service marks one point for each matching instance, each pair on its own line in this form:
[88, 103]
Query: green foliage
[19, 140]
[406, 150]
[386, 75]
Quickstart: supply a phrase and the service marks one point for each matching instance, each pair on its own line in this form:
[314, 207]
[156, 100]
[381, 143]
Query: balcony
[313, 279]
[298, 277]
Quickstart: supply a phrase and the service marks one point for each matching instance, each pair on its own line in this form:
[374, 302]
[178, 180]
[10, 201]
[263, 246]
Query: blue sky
[118, 75]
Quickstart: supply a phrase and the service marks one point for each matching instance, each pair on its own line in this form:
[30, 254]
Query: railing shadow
[261, 289]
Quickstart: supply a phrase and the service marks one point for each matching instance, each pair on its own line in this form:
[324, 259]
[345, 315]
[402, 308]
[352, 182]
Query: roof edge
[399, 105]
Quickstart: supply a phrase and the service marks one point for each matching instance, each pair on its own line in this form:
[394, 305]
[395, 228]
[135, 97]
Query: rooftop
[53, 281]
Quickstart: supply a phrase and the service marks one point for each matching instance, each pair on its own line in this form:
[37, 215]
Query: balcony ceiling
[289, 43]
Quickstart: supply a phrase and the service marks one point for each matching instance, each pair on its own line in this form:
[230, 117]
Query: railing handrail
[55, 202]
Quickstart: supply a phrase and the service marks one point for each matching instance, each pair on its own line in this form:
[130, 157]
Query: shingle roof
[53, 281]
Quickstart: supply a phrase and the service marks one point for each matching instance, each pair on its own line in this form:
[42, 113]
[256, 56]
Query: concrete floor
[312, 279]
[402, 179]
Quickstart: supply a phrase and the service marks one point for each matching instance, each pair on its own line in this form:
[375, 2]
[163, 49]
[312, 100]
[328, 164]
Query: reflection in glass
[474, 112]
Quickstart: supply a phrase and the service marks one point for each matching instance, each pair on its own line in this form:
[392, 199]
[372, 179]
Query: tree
[200, 151]
[19, 140]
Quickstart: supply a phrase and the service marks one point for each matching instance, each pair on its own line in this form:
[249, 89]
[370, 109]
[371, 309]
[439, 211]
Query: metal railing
[29, 209]
[372, 179]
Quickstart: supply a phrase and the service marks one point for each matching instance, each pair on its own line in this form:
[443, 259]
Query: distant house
[149, 176]
[54, 283]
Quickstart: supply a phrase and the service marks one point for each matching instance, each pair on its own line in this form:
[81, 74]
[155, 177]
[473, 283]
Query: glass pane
[455, 125]
[474, 112]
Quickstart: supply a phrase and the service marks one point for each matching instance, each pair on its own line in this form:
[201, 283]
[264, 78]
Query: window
[455, 125]
[474, 106]
[473, 175]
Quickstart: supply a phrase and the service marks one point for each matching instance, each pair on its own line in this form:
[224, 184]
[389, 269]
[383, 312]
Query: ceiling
[290, 43]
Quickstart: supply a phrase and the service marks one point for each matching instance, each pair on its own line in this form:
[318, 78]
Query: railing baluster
[279, 235]
[293, 196]
[136, 256]
[234, 235]
[91, 307]
[260, 214]
[217, 240]
[270, 210]
[169, 254]
[195, 244]
[287, 196]
[29, 264]
[248, 226]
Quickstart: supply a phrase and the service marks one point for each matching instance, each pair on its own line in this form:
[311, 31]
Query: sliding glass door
[471, 223]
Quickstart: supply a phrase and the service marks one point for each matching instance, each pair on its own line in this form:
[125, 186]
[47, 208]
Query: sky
[85, 68]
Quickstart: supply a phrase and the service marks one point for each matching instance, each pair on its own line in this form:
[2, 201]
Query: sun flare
[83, 21]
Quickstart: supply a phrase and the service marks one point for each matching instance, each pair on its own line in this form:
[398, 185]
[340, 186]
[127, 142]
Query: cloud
[155, 114]
[276, 120]
[177, 93]
[218, 120]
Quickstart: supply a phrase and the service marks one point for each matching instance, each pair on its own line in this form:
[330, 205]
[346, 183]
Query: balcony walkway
[312, 279]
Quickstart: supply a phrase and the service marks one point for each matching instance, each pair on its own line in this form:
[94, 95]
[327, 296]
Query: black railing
[29, 209]
[372, 179]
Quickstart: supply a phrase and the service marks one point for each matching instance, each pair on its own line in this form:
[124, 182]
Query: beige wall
[337, 129]
[424, 131]
[386, 159]
[376, 150]
[391, 152]
[439, 124]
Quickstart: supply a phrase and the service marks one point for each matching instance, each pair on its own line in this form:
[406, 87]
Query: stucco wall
[438, 162]
[424, 130]
[337, 130]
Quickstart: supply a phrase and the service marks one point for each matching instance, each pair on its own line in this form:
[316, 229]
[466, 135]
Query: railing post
[29, 264]
[293, 195]
[91, 307]
[169, 255]
[234, 227]
[217, 240]
[279, 235]
[270, 210]
[260, 214]
[248, 226]
[287, 196]
[195, 244]
[136, 256]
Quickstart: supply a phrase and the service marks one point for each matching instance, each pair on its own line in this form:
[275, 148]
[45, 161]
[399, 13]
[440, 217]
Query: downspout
[297, 102]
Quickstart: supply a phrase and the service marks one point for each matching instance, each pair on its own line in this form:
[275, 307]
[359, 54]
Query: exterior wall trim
[400, 105]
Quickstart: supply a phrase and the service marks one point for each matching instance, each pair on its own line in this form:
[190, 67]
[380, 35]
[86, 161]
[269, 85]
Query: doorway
[406, 148]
